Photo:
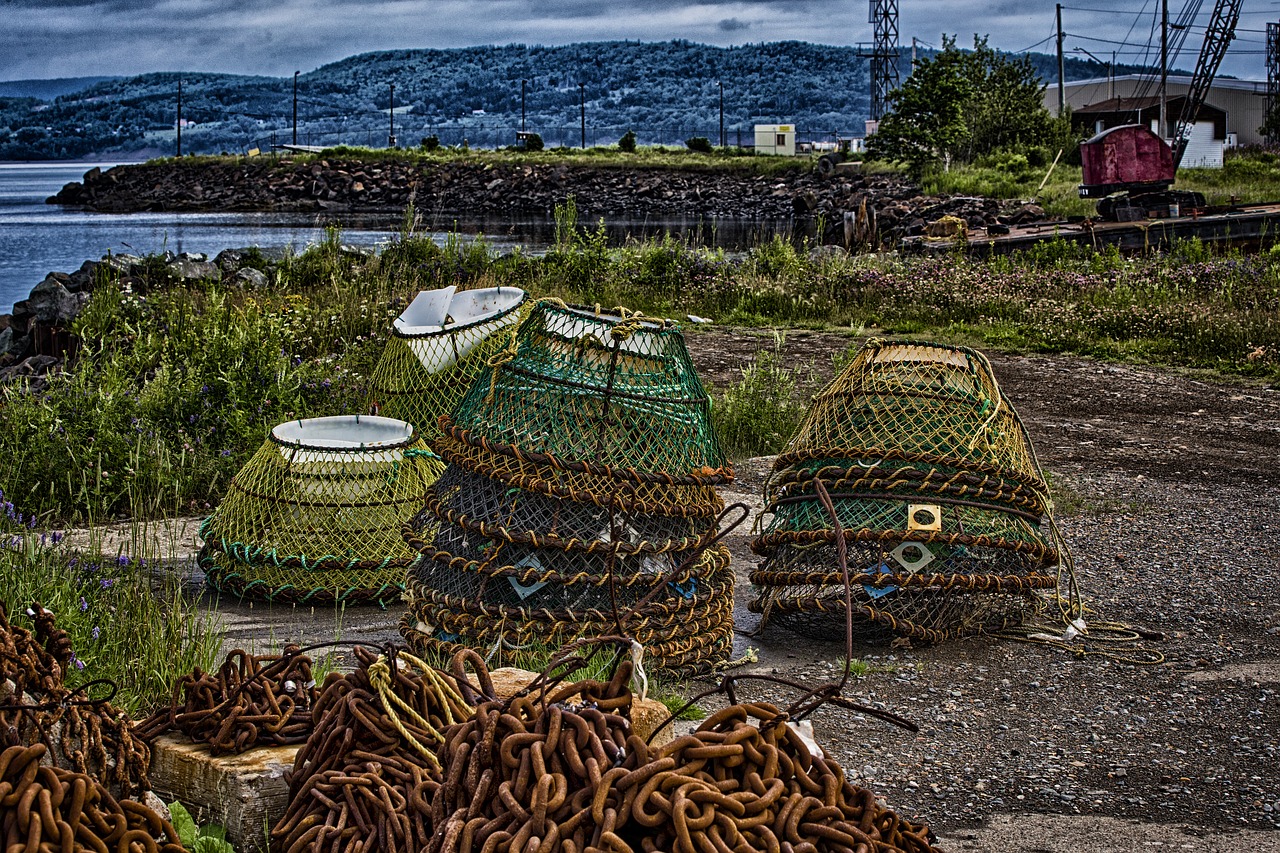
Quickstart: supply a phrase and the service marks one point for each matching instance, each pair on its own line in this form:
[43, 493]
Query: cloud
[59, 38]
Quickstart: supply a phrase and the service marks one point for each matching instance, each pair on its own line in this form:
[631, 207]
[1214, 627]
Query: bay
[38, 238]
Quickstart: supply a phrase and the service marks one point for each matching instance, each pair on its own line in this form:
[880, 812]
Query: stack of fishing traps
[580, 489]
[314, 517]
[945, 512]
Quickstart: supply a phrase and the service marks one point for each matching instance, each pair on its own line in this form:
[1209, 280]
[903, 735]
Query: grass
[176, 386]
[128, 624]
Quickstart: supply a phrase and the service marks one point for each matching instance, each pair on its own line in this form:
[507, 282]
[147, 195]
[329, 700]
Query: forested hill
[665, 92]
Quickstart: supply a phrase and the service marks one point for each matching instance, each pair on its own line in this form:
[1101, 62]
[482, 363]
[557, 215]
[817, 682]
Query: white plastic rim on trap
[466, 317]
[343, 438]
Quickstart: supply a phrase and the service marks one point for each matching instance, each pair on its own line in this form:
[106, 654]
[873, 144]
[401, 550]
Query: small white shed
[776, 139]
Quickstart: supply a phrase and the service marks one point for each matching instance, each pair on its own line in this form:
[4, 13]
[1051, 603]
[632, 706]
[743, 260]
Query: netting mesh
[945, 513]
[610, 387]
[438, 347]
[686, 627]
[315, 515]
[562, 512]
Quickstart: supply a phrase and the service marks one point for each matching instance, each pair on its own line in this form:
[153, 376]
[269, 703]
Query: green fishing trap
[580, 492]
[611, 387]
[315, 515]
[933, 480]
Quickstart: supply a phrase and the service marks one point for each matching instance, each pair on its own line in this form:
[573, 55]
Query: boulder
[191, 270]
[49, 303]
[251, 278]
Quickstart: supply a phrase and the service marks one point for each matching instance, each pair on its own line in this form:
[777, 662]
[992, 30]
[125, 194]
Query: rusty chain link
[253, 700]
[79, 732]
[359, 783]
[43, 809]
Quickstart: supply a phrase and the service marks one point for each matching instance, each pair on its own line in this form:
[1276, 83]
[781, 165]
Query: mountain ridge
[664, 91]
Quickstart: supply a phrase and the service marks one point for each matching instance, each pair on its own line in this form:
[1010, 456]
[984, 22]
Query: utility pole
[295, 106]
[522, 82]
[883, 16]
[1062, 89]
[1164, 68]
[179, 116]
[1273, 83]
[582, 106]
[391, 115]
[721, 113]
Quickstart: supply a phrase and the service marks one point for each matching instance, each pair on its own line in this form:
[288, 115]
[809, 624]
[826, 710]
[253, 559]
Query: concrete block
[244, 793]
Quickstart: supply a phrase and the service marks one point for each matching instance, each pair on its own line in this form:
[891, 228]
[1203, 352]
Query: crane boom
[1222, 29]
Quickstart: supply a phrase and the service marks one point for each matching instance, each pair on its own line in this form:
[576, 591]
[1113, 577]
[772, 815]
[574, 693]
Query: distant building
[1243, 102]
[776, 139]
[1208, 134]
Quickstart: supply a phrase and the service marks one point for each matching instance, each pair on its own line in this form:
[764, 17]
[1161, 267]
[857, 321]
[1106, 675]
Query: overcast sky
[72, 38]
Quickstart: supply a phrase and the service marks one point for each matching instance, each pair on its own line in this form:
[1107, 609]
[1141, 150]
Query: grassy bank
[656, 157]
[175, 385]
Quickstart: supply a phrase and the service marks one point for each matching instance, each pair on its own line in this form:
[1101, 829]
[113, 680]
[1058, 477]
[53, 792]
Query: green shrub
[430, 143]
[756, 415]
[628, 142]
[698, 143]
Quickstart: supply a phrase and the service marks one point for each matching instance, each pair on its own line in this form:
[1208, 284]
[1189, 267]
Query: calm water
[38, 238]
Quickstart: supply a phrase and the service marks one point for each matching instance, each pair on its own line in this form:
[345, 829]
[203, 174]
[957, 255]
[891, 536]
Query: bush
[628, 142]
[698, 143]
[430, 143]
[532, 142]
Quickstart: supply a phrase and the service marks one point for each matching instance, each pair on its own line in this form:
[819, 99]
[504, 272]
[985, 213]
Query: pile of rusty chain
[561, 770]
[81, 733]
[366, 776]
[46, 808]
[745, 781]
[253, 700]
[540, 772]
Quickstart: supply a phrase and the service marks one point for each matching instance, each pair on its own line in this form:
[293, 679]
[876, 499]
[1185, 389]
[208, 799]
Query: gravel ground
[1169, 486]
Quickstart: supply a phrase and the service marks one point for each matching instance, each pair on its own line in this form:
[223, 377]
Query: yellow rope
[380, 678]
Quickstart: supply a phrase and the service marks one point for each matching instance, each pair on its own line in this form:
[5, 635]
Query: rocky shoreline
[853, 207]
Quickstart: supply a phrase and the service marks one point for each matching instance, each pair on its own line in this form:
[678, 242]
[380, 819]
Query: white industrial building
[1242, 105]
[776, 139]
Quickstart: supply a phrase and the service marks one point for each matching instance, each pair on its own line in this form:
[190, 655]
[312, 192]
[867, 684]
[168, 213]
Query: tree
[628, 142]
[961, 105]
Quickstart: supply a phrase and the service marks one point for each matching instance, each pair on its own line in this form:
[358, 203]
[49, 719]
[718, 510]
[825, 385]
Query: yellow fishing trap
[944, 509]
[315, 515]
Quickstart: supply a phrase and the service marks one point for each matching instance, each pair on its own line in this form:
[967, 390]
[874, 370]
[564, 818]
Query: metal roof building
[1243, 101]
